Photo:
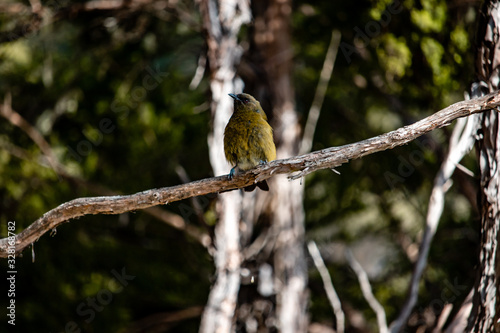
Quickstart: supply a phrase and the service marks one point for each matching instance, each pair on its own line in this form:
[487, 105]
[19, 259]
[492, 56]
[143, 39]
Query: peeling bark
[486, 308]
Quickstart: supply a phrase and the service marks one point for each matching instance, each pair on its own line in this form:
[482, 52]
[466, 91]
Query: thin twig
[319, 96]
[197, 205]
[17, 120]
[465, 170]
[328, 285]
[181, 172]
[366, 288]
[200, 70]
[443, 317]
[326, 158]
[162, 321]
[459, 322]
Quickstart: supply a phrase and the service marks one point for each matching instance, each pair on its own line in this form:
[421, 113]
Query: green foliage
[432, 16]
[395, 56]
[419, 61]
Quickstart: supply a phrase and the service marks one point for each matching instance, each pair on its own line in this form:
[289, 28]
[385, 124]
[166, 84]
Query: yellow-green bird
[248, 138]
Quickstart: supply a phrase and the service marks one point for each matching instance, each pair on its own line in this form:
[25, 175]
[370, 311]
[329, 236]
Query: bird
[248, 138]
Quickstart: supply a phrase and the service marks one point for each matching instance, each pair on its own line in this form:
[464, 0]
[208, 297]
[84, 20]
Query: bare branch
[198, 209]
[443, 317]
[17, 120]
[328, 285]
[174, 220]
[305, 164]
[162, 321]
[335, 156]
[459, 322]
[366, 288]
[200, 70]
[324, 78]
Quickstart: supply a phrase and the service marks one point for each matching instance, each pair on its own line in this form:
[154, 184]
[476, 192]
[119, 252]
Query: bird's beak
[235, 97]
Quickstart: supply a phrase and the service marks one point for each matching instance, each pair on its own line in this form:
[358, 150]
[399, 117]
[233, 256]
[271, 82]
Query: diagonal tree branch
[17, 120]
[331, 293]
[366, 289]
[302, 165]
[324, 79]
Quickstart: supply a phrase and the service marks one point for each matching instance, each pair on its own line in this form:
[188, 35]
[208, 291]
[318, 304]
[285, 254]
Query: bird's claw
[231, 173]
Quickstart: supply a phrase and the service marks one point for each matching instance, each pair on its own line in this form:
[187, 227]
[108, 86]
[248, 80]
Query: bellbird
[248, 138]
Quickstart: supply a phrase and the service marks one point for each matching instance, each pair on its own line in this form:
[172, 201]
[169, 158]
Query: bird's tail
[262, 185]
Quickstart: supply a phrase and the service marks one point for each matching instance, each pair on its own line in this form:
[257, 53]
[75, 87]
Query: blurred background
[117, 92]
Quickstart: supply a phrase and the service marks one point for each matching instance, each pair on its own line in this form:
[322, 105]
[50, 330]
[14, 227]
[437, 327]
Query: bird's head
[247, 102]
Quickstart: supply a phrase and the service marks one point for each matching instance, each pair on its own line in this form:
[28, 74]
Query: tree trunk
[222, 21]
[273, 45]
[485, 311]
[271, 57]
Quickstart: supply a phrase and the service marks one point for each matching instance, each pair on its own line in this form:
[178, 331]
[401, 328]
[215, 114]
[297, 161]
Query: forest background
[116, 93]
